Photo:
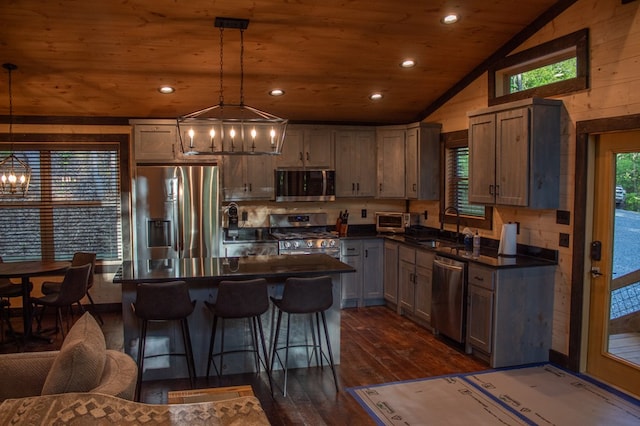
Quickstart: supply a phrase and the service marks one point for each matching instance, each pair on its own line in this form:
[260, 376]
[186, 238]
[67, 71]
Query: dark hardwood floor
[378, 346]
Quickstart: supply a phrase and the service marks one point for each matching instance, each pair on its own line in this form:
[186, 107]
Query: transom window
[557, 67]
[73, 204]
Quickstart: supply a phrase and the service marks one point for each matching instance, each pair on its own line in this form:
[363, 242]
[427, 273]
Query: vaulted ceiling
[108, 58]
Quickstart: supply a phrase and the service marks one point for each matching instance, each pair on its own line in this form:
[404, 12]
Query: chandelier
[15, 173]
[231, 129]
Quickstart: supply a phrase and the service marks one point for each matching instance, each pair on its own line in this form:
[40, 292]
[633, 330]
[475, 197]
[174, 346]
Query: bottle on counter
[476, 245]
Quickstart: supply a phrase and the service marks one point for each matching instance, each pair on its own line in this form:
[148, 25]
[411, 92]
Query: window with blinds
[73, 204]
[457, 182]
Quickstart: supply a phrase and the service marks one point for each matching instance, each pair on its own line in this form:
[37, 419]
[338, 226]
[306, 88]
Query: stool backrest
[74, 285]
[82, 258]
[163, 301]
[307, 295]
[242, 299]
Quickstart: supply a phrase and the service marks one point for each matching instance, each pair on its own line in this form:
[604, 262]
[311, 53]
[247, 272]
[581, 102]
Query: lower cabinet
[365, 286]
[510, 314]
[391, 272]
[414, 286]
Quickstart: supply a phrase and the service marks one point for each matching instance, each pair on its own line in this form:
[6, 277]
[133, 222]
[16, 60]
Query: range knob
[287, 244]
[309, 243]
[296, 244]
[323, 243]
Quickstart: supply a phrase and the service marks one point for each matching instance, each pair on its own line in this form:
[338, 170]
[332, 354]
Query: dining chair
[72, 289]
[79, 258]
[9, 290]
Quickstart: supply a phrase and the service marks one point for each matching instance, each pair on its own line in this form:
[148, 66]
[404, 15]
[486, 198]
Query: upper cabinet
[391, 167]
[409, 161]
[514, 154]
[355, 163]
[247, 177]
[307, 146]
[422, 161]
[155, 140]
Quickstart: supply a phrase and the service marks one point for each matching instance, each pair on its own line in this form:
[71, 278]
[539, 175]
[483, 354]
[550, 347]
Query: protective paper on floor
[543, 395]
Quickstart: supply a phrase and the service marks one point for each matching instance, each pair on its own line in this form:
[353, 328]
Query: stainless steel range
[303, 233]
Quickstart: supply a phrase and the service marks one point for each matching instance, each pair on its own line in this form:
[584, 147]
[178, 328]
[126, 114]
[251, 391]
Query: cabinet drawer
[407, 254]
[350, 248]
[481, 277]
[424, 259]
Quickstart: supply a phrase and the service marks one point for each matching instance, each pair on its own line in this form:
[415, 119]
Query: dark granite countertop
[219, 268]
[527, 256]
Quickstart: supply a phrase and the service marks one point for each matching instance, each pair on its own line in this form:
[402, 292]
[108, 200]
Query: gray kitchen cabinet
[247, 177]
[355, 152]
[372, 271]
[422, 161]
[415, 278]
[364, 287]
[424, 277]
[510, 314]
[391, 272]
[154, 140]
[391, 162]
[514, 154]
[406, 279]
[307, 146]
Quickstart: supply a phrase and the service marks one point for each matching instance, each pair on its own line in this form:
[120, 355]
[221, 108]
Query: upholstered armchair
[83, 364]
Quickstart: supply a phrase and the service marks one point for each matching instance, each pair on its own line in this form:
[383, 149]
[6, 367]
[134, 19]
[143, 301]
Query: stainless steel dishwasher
[448, 297]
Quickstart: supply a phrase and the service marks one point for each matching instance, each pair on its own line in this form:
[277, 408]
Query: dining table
[25, 270]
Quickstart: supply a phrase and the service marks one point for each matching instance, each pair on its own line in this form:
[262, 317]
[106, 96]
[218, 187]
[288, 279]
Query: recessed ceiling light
[375, 96]
[166, 90]
[451, 18]
[276, 92]
[408, 63]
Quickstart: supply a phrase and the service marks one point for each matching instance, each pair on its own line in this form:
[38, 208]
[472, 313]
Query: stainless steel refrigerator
[176, 211]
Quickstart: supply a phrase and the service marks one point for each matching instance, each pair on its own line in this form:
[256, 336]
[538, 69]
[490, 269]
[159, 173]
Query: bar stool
[168, 301]
[247, 299]
[305, 296]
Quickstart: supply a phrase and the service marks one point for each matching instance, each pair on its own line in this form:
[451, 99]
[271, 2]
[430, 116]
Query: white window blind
[457, 182]
[73, 204]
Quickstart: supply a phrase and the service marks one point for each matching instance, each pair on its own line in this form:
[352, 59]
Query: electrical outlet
[563, 240]
[426, 215]
[563, 217]
[363, 213]
[245, 216]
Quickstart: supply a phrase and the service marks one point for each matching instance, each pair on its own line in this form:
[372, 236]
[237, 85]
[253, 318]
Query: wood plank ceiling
[108, 58]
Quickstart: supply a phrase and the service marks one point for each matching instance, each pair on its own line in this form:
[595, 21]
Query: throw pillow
[80, 364]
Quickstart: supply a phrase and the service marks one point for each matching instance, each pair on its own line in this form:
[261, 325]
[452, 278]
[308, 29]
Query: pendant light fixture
[227, 128]
[15, 173]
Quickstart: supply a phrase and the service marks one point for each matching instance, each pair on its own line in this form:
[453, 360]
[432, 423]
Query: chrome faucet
[457, 212]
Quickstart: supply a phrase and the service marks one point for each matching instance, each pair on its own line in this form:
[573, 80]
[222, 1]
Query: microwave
[305, 184]
[396, 222]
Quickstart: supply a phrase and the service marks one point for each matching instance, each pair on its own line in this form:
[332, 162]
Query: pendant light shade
[231, 128]
[15, 174]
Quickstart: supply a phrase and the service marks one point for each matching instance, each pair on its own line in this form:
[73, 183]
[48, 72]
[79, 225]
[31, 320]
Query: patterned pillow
[80, 364]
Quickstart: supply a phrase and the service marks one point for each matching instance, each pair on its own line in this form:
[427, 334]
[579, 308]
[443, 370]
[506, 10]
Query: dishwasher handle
[448, 264]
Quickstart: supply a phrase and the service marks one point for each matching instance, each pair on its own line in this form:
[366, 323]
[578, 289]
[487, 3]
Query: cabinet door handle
[353, 186]
[497, 190]
[308, 158]
[245, 187]
[380, 187]
[366, 253]
[490, 189]
[358, 186]
[477, 278]
[351, 249]
[415, 187]
[300, 156]
[250, 188]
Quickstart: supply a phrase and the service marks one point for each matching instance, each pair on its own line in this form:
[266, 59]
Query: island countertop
[220, 268]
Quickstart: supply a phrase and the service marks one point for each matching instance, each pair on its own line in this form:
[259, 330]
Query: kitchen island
[203, 276]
